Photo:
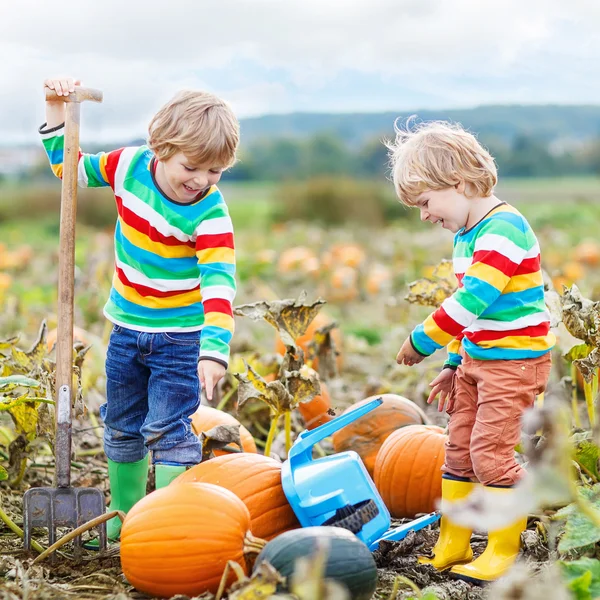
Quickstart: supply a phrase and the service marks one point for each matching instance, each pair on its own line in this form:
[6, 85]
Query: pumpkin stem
[252, 544]
[271, 435]
[589, 401]
[252, 547]
[288, 430]
[227, 396]
[574, 400]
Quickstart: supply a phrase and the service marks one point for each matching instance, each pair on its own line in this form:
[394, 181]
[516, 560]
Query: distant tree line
[327, 154]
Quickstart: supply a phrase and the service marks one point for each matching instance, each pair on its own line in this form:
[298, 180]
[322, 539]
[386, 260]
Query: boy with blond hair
[495, 326]
[173, 286]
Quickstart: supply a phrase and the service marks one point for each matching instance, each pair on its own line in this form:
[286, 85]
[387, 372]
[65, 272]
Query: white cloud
[275, 56]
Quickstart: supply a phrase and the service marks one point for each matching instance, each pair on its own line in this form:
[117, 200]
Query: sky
[281, 56]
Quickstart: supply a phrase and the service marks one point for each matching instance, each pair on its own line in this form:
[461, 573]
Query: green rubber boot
[127, 486]
[164, 474]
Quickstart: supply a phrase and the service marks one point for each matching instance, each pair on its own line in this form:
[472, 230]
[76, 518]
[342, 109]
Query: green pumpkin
[349, 561]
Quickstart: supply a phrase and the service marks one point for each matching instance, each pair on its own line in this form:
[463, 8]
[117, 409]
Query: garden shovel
[63, 505]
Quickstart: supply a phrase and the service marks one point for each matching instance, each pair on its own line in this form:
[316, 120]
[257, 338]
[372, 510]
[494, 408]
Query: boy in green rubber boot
[495, 326]
[173, 286]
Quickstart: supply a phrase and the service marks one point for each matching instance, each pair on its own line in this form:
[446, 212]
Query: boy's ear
[461, 186]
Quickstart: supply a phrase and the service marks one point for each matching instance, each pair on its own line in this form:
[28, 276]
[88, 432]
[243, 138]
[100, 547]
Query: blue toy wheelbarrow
[337, 490]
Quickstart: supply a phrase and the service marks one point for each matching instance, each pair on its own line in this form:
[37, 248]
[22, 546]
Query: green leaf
[3, 473]
[12, 381]
[587, 454]
[583, 577]
[578, 352]
[579, 530]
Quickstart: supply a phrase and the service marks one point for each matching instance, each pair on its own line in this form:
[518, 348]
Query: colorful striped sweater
[498, 311]
[174, 263]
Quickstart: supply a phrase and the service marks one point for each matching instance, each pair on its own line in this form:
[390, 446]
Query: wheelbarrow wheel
[354, 517]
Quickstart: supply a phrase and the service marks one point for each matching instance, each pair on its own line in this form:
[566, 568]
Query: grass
[569, 204]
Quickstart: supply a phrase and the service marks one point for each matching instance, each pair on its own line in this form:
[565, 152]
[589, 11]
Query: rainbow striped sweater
[174, 263]
[498, 311]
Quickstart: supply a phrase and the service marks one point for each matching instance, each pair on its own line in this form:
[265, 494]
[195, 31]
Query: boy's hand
[55, 111]
[63, 86]
[210, 373]
[442, 385]
[408, 355]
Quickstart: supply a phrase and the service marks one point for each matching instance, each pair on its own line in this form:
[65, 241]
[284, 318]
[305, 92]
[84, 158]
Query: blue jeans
[152, 389]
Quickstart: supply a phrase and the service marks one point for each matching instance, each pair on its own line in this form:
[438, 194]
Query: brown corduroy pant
[486, 405]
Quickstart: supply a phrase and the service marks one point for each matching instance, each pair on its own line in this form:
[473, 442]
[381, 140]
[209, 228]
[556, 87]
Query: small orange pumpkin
[177, 540]
[79, 335]
[316, 412]
[206, 418]
[319, 321]
[408, 470]
[588, 253]
[367, 434]
[256, 480]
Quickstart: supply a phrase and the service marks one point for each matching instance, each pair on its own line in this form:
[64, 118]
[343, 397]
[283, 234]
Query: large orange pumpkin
[408, 470]
[256, 480]
[315, 412]
[367, 434]
[206, 418]
[177, 540]
[319, 321]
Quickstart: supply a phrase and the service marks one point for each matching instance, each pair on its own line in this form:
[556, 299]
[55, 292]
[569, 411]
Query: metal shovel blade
[62, 507]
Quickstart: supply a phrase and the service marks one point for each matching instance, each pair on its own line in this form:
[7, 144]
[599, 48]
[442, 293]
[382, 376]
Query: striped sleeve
[454, 358]
[94, 170]
[216, 259]
[499, 249]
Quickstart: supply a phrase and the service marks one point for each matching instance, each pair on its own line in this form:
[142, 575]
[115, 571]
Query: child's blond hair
[436, 155]
[200, 125]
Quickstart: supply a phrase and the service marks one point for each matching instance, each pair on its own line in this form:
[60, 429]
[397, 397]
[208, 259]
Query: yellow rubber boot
[500, 553]
[453, 546]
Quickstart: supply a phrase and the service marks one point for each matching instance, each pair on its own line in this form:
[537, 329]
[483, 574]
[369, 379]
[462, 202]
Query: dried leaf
[218, 437]
[290, 317]
[581, 316]
[303, 385]
[322, 347]
[261, 585]
[253, 387]
[433, 291]
[25, 415]
[32, 360]
[588, 366]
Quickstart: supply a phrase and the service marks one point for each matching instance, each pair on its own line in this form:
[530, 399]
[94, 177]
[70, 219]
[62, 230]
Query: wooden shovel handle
[81, 94]
[66, 281]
